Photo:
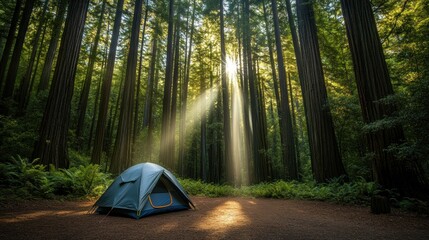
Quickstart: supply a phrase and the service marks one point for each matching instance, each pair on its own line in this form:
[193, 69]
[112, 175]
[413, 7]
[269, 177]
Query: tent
[142, 190]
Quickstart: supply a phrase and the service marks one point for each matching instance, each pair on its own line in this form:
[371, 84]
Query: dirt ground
[214, 218]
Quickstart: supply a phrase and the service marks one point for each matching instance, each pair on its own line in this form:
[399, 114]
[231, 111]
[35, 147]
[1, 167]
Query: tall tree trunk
[106, 87]
[166, 153]
[83, 100]
[23, 93]
[286, 119]
[97, 92]
[276, 90]
[50, 55]
[148, 118]
[94, 115]
[203, 123]
[225, 101]
[51, 146]
[266, 164]
[121, 158]
[258, 156]
[175, 85]
[9, 42]
[113, 116]
[16, 55]
[373, 82]
[295, 134]
[184, 96]
[136, 127]
[36, 67]
[325, 156]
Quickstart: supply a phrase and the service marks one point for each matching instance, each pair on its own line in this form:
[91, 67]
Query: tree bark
[16, 55]
[148, 115]
[36, 67]
[175, 86]
[121, 158]
[286, 119]
[83, 100]
[373, 82]
[225, 100]
[51, 146]
[53, 43]
[184, 96]
[166, 153]
[106, 87]
[325, 156]
[136, 127]
[23, 93]
[203, 124]
[9, 42]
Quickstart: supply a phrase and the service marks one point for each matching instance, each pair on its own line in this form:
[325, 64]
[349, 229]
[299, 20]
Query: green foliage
[20, 178]
[78, 159]
[199, 188]
[355, 192]
[358, 192]
[23, 178]
[17, 136]
[79, 181]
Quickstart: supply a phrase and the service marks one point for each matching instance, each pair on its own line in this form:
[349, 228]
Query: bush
[20, 178]
[358, 192]
[24, 179]
[198, 188]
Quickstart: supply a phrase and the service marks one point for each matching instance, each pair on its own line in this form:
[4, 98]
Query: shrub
[199, 188]
[20, 178]
[27, 178]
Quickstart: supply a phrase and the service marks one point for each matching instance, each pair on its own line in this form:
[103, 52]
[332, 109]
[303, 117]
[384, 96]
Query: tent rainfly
[141, 190]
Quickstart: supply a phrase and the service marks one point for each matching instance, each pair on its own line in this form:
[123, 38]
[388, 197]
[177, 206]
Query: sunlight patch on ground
[223, 218]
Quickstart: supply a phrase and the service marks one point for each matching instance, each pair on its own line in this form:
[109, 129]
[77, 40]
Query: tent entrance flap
[161, 195]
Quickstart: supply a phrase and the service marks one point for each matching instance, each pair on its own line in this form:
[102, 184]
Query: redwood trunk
[9, 42]
[51, 146]
[121, 158]
[325, 156]
[106, 87]
[373, 82]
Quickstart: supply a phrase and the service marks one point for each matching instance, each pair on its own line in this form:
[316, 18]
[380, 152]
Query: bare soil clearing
[215, 218]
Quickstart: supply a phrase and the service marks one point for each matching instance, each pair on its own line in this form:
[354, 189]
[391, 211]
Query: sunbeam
[238, 138]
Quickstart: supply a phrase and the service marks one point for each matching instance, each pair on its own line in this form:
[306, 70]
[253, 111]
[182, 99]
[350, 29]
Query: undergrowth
[354, 193]
[22, 179]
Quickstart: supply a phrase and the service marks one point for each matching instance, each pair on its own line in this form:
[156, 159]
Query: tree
[136, 126]
[9, 41]
[184, 94]
[16, 55]
[51, 147]
[148, 109]
[326, 161]
[83, 100]
[225, 99]
[23, 93]
[121, 158]
[53, 42]
[166, 154]
[288, 141]
[106, 87]
[374, 85]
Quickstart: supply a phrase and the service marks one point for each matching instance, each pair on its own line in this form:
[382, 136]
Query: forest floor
[214, 218]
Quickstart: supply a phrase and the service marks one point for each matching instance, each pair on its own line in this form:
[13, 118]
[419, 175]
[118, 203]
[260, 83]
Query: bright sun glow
[231, 68]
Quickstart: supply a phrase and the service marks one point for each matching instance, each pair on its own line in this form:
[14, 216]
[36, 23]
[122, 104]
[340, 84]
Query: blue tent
[142, 190]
